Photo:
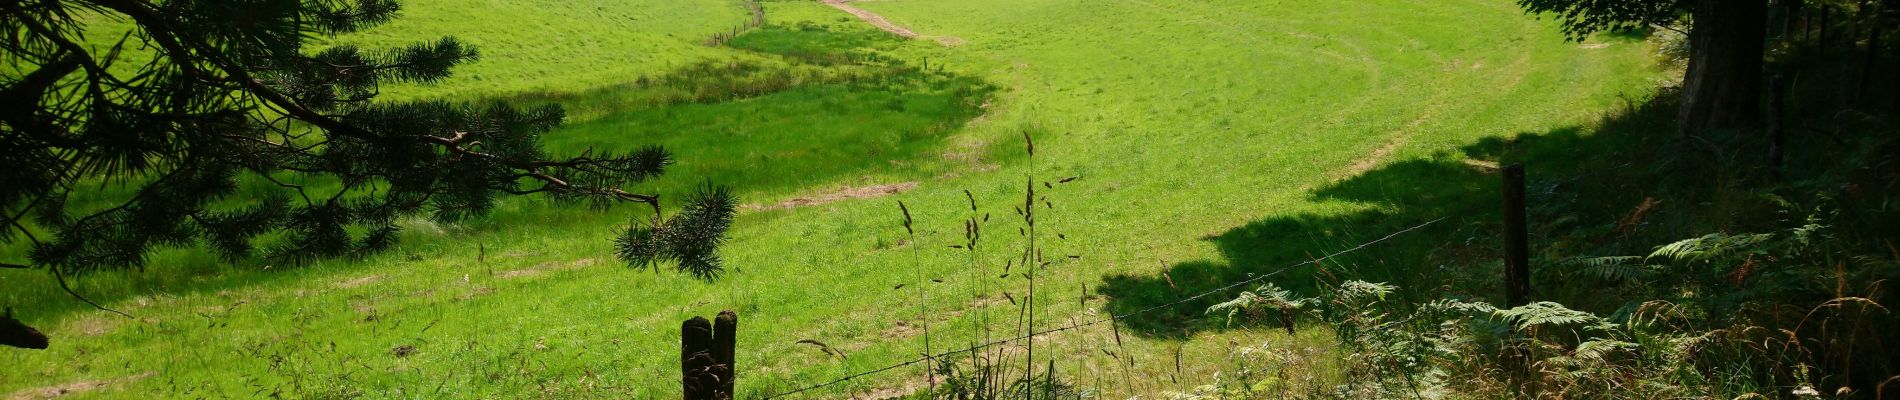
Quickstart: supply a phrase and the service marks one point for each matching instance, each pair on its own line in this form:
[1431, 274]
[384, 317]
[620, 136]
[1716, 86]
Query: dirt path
[886, 25]
[74, 388]
[840, 194]
[1437, 103]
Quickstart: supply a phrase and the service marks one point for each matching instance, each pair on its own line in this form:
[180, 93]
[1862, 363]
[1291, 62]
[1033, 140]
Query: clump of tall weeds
[999, 362]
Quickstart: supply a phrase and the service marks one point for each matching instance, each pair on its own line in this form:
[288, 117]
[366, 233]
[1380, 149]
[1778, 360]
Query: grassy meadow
[1207, 141]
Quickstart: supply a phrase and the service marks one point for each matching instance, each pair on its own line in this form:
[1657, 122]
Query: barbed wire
[1111, 317]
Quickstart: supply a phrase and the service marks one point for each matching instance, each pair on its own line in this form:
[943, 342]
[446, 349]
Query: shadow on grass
[1456, 257]
[796, 137]
[832, 109]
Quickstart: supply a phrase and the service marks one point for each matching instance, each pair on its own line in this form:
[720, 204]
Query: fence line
[756, 19]
[1112, 317]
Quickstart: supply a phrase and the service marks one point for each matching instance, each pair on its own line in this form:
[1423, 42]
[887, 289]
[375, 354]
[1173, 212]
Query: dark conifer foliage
[203, 95]
[1581, 18]
[688, 239]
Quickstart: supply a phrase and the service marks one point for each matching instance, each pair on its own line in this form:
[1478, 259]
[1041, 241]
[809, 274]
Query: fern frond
[1595, 350]
[1616, 268]
[1357, 292]
[1710, 246]
[1268, 296]
[1545, 313]
[1242, 302]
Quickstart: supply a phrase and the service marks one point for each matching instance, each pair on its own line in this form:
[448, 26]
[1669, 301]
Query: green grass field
[1208, 140]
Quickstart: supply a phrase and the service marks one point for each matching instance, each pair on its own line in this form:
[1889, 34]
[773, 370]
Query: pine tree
[201, 96]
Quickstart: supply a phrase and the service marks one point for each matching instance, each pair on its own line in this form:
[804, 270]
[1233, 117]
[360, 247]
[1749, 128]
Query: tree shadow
[1458, 256]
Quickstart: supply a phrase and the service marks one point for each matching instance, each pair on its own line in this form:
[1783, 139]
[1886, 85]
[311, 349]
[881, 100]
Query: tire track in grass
[1203, 18]
[881, 23]
[835, 195]
[1436, 105]
[1360, 57]
[1395, 139]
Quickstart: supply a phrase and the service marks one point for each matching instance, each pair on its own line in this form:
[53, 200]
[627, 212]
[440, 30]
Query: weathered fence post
[1517, 265]
[17, 334]
[1517, 274]
[696, 359]
[725, 338]
[706, 354]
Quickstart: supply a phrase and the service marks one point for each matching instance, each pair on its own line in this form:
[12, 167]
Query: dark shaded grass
[795, 137]
[1583, 182]
[817, 44]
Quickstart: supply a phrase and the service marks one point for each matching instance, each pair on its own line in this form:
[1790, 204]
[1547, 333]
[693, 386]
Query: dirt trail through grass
[886, 25]
[847, 193]
[74, 388]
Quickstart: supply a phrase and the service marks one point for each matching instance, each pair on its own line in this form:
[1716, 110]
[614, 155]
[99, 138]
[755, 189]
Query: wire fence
[1110, 318]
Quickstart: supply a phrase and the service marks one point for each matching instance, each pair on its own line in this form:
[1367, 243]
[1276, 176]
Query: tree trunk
[1850, 60]
[1820, 43]
[1722, 88]
[1870, 60]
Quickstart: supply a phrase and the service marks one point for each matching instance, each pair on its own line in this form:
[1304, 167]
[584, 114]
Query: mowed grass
[526, 47]
[1179, 121]
[566, 46]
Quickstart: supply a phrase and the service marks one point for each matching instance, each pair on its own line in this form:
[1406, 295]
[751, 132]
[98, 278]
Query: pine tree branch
[167, 37]
[15, 218]
[200, 114]
[161, 32]
[136, 198]
[158, 28]
[61, 277]
[26, 93]
[298, 188]
[535, 170]
[64, 44]
[57, 274]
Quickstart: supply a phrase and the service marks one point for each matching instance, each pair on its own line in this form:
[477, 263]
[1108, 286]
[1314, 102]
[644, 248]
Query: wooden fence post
[1517, 268]
[17, 334]
[696, 359]
[706, 354]
[725, 338]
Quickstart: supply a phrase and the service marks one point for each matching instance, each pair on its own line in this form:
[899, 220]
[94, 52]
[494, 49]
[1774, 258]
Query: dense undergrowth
[1665, 266]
